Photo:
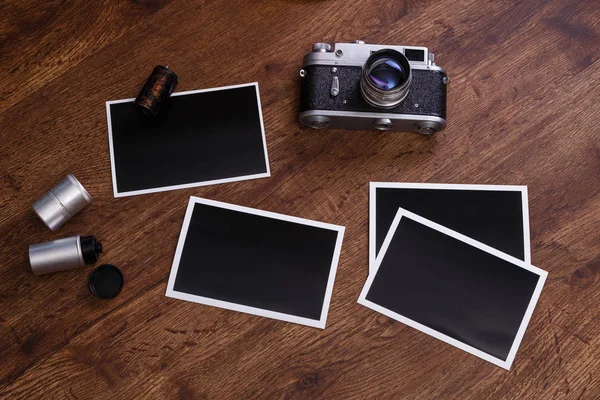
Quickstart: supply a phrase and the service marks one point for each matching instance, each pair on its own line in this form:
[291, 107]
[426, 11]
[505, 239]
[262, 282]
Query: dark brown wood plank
[523, 109]
[42, 40]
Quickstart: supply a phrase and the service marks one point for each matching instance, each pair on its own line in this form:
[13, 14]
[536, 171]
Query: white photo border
[373, 186]
[320, 323]
[432, 332]
[117, 193]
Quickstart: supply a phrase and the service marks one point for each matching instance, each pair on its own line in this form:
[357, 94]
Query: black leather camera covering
[427, 89]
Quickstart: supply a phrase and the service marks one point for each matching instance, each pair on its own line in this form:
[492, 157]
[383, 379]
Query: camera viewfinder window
[414, 54]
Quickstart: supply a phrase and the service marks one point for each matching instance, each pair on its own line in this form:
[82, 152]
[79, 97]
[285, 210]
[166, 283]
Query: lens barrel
[385, 79]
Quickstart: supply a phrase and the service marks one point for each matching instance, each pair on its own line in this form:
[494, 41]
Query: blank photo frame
[497, 215]
[203, 137]
[255, 261]
[453, 288]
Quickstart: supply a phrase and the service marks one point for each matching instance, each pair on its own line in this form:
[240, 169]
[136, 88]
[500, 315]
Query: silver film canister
[62, 202]
[63, 254]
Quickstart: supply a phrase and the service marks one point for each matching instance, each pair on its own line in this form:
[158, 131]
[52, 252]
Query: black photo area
[493, 217]
[256, 261]
[452, 287]
[200, 137]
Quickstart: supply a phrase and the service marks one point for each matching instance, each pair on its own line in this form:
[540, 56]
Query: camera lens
[385, 78]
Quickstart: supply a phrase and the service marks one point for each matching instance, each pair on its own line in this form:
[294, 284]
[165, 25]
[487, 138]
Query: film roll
[156, 91]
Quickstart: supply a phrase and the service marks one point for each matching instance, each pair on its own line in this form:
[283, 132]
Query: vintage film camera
[367, 86]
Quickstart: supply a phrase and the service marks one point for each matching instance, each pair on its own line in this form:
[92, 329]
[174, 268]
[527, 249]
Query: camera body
[341, 88]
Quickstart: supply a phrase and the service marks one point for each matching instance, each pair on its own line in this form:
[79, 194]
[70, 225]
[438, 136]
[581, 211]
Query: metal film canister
[156, 91]
[62, 202]
[63, 254]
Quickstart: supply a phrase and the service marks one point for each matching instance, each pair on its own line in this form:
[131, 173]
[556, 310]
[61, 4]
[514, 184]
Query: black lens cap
[106, 281]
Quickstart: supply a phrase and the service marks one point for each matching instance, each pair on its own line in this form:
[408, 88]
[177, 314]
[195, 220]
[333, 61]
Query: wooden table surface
[523, 109]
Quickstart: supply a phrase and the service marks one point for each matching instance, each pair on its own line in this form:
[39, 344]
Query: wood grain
[523, 109]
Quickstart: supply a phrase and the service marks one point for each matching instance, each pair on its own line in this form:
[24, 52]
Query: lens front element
[386, 78]
[386, 74]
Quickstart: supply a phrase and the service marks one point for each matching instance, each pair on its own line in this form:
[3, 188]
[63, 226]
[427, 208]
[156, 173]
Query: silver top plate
[355, 54]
